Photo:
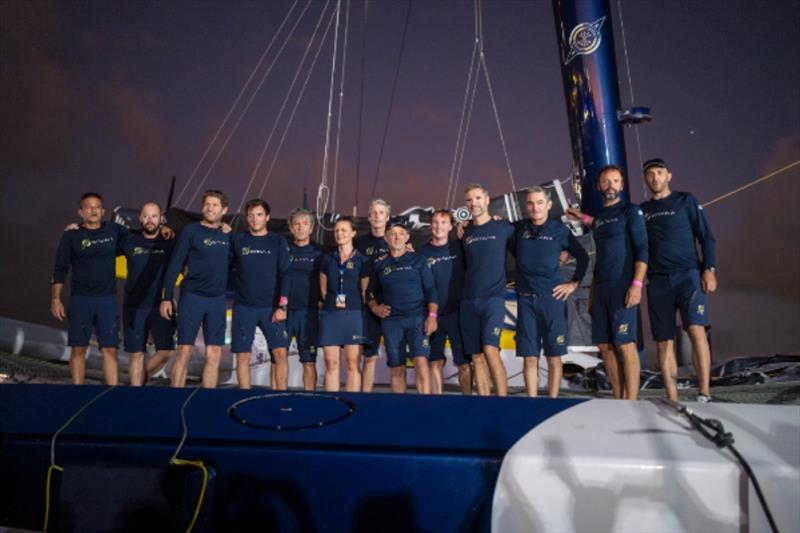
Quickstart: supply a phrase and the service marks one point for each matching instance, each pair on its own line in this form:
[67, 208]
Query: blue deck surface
[377, 461]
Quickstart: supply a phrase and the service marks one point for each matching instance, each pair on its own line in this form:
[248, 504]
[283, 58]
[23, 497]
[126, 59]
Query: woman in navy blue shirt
[343, 280]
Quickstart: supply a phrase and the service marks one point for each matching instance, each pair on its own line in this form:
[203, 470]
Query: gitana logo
[246, 250]
[208, 241]
[584, 39]
[560, 340]
[623, 328]
[87, 243]
[139, 251]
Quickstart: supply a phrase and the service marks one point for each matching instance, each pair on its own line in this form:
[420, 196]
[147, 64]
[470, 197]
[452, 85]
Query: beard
[611, 195]
[150, 230]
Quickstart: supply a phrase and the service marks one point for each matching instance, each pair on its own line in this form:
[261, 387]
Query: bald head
[150, 219]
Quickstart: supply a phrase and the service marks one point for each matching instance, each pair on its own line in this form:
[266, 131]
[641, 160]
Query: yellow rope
[201, 497]
[748, 185]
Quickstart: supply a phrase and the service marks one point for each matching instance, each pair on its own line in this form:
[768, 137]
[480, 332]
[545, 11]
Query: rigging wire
[341, 105]
[280, 113]
[361, 107]
[391, 100]
[249, 103]
[474, 92]
[752, 183]
[236, 101]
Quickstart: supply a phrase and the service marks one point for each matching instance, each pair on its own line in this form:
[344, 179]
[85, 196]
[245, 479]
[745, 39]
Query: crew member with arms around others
[621, 242]
[303, 319]
[373, 245]
[343, 279]
[446, 261]
[403, 294]
[483, 308]
[203, 248]
[541, 292]
[260, 266]
[90, 253]
[678, 279]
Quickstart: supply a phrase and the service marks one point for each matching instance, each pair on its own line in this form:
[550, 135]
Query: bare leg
[309, 376]
[156, 362]
[465, 379]
[530, 371]
[669, 368]
[632, 368]
[243, 369]
[211, 368]
[612, 368]
[436, 376]
[110, 365]
[136, 369]
[481, 373]
[368, 375]
[399, 379]
[332, 356]
[273, 373]
[77, 364]
[423, 375]
[498, 369]
[352, 356]
[281, 365]
[181, 365]
[701, 354]
[555, 369]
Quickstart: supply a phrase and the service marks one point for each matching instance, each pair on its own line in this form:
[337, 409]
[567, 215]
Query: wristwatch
[711, 269]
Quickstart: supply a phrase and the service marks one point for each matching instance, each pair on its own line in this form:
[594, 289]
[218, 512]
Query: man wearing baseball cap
[678, 279]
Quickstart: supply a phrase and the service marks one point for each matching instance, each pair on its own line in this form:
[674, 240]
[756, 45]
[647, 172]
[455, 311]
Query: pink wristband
[586, 219]
[637, 283]
[433, 314]
[283, 301]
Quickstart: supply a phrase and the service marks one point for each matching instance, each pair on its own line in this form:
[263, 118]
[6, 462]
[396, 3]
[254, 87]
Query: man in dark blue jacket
[678, 279]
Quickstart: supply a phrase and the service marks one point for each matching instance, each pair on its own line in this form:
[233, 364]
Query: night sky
[119, 96]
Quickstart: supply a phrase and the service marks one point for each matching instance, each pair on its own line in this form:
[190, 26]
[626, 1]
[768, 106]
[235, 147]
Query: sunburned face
[610, 184]
[257, 220]
[477, 202]
[397, 237]
[657, 179]
[441, 226]
[213, 210]
[538, 207]
[150, 219]
[301, 228]
[91, 211]
[378, 216]
[343, 233]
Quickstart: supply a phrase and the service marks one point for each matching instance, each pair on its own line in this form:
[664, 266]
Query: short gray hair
[539, 189]
[301, 212]
[380, 201]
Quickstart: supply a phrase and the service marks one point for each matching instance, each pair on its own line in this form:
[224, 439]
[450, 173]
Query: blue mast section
[589, 73]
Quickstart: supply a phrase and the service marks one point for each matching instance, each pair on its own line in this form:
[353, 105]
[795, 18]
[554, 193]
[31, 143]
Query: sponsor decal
[623, 328]
[208, 241]
[88, 243]
[701, 309]
[246, 250]
[560, 340]
[584, 39]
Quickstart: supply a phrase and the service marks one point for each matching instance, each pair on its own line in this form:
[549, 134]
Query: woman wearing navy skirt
[343, 280]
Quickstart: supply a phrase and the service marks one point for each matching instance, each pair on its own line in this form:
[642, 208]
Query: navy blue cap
[654, 163]
[397, 222]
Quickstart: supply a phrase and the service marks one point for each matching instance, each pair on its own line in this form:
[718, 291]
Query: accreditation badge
[341, 301]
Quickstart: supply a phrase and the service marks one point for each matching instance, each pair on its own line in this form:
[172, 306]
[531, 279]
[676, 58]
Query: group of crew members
[376, 286]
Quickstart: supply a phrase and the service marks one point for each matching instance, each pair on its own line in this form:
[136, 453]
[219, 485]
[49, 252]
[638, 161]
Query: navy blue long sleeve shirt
[538, 250]
[147, 261]
[205, 253]
[403, 283]
[91, 256]
[372, 247]
[346, 281]
[447, 266]
[485, 249]
[674, 225]
[621, 240]
[304, 263]
[260, 266]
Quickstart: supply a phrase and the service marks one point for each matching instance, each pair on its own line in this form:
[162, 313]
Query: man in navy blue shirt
[541, 292]
[446, 260]
[203, 249]
[374, 246]
[483, 305]
[90, 253]
[260, 264]
[147, 253]
[304, 299]
[675, 224]
[403, 294]
[621, 241]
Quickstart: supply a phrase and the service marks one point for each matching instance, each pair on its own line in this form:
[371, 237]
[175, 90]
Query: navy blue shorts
[404, 337]
[668, 292]
[372, 333]
[195, 310]
[98, 313]
[541, 324]
[341, 327]
[449, 327]
[140, 322]
[243, 328]
[612, 322]
[303, 325]
[482, 323]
